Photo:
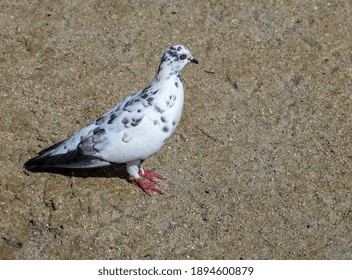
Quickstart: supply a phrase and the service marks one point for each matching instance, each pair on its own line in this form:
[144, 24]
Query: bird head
[175, 58]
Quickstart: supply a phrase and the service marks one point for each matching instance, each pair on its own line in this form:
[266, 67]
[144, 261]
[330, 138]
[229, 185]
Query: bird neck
[168, 75]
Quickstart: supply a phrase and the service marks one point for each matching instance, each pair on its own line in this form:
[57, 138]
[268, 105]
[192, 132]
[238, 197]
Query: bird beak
[193, 60]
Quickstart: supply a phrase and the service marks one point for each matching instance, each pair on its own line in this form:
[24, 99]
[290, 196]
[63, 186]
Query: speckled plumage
[132, 131]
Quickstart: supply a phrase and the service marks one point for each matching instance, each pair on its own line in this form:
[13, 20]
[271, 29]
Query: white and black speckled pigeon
[132, 131]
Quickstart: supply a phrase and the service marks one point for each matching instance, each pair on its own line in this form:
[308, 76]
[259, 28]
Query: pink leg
[148, 186]
[150, 175]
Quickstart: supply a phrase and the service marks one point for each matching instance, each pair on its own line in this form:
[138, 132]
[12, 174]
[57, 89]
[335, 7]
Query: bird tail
[72, 159]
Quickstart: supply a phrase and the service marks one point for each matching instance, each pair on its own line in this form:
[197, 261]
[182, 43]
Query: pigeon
[130, 132]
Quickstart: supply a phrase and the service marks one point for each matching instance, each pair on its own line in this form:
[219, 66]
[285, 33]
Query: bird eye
[183, 56]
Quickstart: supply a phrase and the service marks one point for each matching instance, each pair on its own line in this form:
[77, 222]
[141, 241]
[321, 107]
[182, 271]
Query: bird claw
[150, 175]
[148, 186]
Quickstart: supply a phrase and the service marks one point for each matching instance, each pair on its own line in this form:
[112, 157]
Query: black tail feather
[72, 159]
[51, 148]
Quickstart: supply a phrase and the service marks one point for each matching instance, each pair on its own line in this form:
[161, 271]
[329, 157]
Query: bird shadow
[112, 171]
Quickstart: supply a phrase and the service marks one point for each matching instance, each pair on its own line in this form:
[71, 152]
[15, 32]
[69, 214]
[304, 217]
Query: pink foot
[150, 175]
[148, 186]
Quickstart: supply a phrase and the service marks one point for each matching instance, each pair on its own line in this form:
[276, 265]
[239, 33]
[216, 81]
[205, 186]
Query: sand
[259, 167]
